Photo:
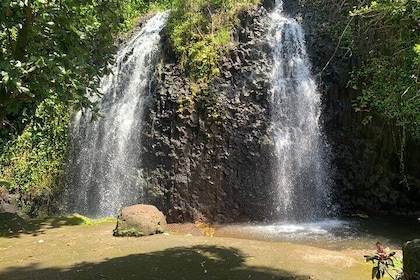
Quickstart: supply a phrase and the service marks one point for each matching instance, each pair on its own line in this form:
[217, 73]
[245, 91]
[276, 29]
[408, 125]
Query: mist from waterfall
[103, 168]
[300, 170]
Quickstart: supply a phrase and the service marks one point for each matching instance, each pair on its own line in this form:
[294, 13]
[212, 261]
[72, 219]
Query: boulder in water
[411, 258]
[140, 220]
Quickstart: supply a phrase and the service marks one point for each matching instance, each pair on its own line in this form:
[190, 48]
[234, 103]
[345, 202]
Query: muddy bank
[57, 251]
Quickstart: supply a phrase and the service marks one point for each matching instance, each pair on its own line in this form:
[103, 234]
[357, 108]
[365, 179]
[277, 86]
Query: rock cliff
[366, 167]
[208, 157]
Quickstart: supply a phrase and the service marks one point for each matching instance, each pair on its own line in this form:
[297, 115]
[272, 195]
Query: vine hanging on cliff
[389, 78]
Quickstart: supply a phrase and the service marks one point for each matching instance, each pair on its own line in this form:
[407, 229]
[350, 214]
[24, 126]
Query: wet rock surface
[209, 157]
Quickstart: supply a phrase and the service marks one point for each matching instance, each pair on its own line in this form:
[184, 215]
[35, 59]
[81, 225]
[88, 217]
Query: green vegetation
[33, 161]
[385, 35]
[127, 232]
[200, 31]
[383, 262]
[74, 220]
[52, 55]
[57, 47]
[389, 79]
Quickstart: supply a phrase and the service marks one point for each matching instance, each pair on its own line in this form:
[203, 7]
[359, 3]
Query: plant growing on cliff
[200, 32]
[389, 80]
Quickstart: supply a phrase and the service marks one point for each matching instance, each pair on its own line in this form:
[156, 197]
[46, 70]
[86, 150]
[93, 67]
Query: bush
[33, 162]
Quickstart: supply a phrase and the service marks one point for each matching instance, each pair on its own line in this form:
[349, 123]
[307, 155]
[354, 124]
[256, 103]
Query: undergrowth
[32, 163]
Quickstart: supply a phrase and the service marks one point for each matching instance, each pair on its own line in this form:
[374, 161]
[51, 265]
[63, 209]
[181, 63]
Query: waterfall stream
[301, 152]
[103, 169]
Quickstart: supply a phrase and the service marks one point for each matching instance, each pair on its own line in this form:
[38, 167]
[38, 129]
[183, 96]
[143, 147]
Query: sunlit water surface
[337, 234]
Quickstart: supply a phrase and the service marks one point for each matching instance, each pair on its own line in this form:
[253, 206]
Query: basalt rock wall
[208, 156]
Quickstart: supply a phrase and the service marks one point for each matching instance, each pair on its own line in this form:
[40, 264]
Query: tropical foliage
[383, 262]
[383, 38]
[56, 47]
[33, 161]
[52, 55]
[391, 73]
[389, 79]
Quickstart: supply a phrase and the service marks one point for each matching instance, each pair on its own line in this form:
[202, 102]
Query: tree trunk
[23, 36]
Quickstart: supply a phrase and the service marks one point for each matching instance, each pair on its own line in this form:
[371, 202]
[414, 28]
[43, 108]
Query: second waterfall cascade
[103, 169]
[300, 170]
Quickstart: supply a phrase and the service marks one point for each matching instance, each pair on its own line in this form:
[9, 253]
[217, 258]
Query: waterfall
[300, 171]
[104, 165]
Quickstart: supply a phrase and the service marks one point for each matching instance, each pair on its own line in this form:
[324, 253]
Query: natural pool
[337, 234]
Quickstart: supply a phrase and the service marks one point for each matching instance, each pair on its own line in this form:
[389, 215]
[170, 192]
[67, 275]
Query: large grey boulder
[411, 259]
[140, 220]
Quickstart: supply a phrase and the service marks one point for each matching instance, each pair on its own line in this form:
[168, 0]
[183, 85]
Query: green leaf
[375, 273]
[4, 183]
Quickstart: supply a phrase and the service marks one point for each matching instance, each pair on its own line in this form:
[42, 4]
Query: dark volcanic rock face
[209, 157]
[366, 166]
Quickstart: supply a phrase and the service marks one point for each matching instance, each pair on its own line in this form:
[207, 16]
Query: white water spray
[301, 159]
[102, 174]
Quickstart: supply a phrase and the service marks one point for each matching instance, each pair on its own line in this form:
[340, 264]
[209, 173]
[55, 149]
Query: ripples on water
[338, 234]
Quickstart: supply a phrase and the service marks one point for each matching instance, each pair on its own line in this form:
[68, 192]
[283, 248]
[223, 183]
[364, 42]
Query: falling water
[301, 162]
[104, 162]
